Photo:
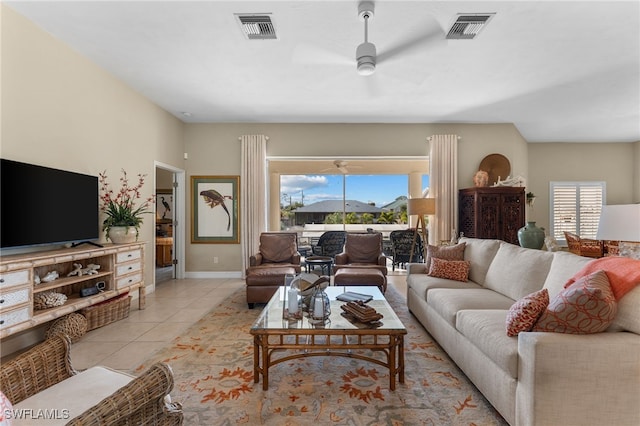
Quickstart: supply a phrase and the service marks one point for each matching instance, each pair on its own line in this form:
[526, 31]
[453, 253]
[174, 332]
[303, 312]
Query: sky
[379, 189]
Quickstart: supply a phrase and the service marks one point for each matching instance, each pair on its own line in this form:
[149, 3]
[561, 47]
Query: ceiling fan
[366, 52]
[367, 57]
[341, 165]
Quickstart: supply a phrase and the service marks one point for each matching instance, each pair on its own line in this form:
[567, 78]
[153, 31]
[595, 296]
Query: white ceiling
[560, 71]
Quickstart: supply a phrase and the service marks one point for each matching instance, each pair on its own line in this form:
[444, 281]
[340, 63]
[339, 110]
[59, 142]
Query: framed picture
[164, 201]
[215, 207]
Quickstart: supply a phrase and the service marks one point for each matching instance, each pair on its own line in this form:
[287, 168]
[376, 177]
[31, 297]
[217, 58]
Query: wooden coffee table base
[328, 343]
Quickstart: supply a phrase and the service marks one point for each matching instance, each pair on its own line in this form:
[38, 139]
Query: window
[576, 207]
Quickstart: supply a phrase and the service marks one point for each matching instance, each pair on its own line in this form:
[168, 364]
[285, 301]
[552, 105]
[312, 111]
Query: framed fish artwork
[215, 209]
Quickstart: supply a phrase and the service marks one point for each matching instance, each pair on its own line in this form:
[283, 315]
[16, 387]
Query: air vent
[468, 26]
[257, 26]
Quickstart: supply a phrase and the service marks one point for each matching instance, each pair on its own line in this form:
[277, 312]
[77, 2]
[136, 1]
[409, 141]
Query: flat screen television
[40, 205]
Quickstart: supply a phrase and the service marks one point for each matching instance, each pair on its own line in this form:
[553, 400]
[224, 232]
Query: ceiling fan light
[366, 57]
[366, 68]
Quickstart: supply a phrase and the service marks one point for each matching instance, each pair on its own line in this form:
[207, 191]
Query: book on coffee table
[351, 296]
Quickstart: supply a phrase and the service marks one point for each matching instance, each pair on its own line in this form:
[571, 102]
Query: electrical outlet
[215, 259]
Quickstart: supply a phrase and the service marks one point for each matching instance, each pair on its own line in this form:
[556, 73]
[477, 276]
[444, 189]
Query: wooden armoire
[491, 212]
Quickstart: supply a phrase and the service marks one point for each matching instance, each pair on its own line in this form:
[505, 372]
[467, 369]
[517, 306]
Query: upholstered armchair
[362, 251]
[277, 256]
[362, 261]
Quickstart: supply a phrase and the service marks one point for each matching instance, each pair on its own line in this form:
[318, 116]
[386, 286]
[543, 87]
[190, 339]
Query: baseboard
[213, 274]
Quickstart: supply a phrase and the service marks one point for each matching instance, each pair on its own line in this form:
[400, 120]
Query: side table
[325, 262]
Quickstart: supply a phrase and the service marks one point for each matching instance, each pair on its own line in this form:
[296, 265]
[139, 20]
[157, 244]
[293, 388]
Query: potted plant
[531, 198]
[123, 217]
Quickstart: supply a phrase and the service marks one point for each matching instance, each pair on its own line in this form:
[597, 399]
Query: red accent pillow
[457, 270]
[586, 306]
[525, 312]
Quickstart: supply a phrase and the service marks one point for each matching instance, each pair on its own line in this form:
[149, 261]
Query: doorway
[169, 226]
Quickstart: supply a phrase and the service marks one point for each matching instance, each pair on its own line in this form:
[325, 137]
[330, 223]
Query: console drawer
[129, 280]
[11, 279]
[128, 268]
[14, 297]
[13, 317]
[128, 256]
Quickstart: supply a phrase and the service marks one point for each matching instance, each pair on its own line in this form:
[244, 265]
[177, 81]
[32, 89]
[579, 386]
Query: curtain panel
[443, 183]
[253, 194]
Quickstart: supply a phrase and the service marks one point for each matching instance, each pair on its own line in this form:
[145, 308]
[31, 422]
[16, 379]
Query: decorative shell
[48, 299]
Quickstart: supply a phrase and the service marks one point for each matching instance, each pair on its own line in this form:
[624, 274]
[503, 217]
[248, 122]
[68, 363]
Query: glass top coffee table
[276, 339]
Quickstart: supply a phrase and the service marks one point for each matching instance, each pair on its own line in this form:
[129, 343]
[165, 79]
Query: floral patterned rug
[213, 367]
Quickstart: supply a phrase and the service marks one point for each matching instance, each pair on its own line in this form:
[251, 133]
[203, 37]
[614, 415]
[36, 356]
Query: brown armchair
[362, 261]
[278, 256]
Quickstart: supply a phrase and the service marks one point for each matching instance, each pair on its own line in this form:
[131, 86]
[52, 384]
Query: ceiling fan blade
[421, 42]
[309, 54]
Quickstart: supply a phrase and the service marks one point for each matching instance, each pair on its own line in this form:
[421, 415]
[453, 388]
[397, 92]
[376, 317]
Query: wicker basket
[107, 312]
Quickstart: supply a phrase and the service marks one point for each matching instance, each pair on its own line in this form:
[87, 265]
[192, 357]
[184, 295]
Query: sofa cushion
[628, 316]
[80, 392]
[563, 267]
[525, 312]
[480, 253]
[586, 306]
[447, 302]
[421, 283]
[485, 329]
[455, 252]
[516, 271]
[457, 270]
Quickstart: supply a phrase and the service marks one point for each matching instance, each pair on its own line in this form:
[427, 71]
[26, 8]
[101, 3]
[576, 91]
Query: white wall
[214, 149]
[61, 110]
[615, 163]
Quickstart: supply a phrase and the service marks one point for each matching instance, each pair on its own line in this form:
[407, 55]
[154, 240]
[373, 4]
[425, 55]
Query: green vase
[530, 236]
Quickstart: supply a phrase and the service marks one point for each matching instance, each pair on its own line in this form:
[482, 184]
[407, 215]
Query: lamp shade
[421, 206]
[619, 223]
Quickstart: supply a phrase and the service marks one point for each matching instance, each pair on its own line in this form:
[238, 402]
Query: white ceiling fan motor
[366, 52]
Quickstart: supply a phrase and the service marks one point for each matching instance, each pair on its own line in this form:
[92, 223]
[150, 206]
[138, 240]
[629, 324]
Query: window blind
[576, 207]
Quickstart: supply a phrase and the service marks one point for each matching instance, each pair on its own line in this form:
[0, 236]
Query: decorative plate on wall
[497, 165]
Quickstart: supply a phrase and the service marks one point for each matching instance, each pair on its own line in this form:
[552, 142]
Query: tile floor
[172, 308]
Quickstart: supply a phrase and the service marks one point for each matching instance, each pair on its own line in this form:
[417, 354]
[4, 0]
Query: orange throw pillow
[623, 273]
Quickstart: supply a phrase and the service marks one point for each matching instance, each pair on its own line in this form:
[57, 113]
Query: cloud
[294, 184]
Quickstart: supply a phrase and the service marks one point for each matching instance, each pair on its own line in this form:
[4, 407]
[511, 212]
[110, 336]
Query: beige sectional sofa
[534, 378]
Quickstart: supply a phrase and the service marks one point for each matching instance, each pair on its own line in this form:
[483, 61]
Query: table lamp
[420, 207]
[621, 223]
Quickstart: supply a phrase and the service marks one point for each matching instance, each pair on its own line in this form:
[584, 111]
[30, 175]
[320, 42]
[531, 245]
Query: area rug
[213, 367]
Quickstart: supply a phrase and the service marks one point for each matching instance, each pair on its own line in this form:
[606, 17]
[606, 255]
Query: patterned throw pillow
[457, 270]
[525, 312]
[444, 252]
[5, 410]
[586, 306]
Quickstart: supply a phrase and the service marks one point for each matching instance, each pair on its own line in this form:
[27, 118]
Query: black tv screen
[40, 205]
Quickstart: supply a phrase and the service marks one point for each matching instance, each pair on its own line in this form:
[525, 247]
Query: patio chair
[330, 243]
[401, 242]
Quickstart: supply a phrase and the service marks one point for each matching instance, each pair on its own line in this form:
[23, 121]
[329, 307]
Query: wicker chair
[401, 242]
[140, 402]
[330, 243]
[584, 246]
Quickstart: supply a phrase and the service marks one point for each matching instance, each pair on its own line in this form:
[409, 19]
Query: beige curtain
[443, 185]
[253, 194]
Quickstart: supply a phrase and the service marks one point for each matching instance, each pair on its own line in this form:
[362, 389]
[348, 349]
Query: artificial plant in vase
[120, 207]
